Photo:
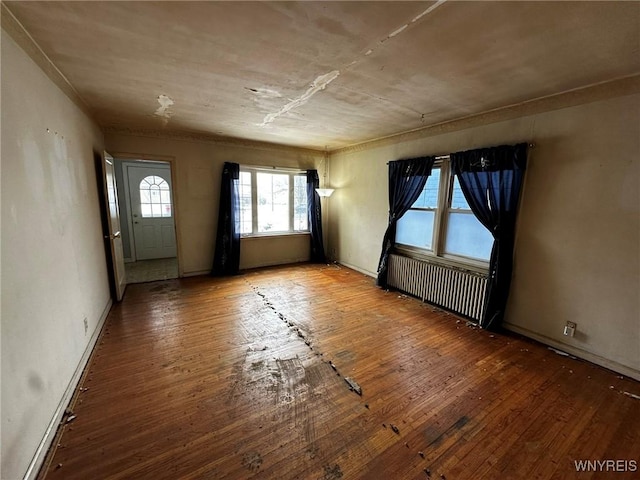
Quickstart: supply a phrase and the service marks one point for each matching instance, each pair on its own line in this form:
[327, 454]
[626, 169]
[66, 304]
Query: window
[440, 222]
[155, 197]
[466, 236]
[300, 217]
[272, 202]
[246, 205]
[415, 228]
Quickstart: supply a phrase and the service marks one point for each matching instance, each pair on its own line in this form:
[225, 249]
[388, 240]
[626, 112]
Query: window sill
[253, 236]
[475, 266]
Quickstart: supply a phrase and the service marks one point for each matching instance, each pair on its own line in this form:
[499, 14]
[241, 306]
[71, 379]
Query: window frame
[437, 252]
[292, 173]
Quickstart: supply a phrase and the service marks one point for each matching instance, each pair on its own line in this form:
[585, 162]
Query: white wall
[54, 274]
[197, 166]
[577, 249]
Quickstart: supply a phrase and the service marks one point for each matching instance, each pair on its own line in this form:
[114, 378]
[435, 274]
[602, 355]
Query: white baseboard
[274, 263]
[195, 274]
[358, 269]
[244, 267]
[50, 434]
[576, 352]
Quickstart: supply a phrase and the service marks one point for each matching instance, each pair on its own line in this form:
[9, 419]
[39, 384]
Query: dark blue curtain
[491, 180]
[407, 178]
[314, 216]
[226, 260]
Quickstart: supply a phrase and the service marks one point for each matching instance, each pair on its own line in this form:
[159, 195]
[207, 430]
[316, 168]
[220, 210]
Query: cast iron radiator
[460, 291]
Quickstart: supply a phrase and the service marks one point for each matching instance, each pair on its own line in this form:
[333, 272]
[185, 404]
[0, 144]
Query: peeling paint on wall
[317, 85]
[14, 214]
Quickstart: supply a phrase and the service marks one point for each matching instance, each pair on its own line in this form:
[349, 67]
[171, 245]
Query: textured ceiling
[325, 74]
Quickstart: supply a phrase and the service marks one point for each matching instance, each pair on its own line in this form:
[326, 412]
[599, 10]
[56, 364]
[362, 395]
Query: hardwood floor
[206, 378]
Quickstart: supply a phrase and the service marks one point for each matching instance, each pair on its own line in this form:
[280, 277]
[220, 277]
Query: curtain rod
[272, 168]
[448, 155]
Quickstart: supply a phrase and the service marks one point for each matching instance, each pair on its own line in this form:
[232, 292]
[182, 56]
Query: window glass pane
[429, 196]
[145, 209]
[300, 222]
[273, 202]
[466, 236]
[457, 197]
[415, 228]
[155, 197]
[244, 190]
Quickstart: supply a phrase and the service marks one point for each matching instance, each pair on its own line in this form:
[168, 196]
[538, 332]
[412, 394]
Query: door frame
[138, 159]
[126, 164]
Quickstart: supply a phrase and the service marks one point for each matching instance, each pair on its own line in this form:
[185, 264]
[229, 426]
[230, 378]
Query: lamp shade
[325, 192]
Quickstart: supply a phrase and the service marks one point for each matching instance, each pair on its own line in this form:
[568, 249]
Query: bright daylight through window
[155, 197]
[272, 202]
[440, 222]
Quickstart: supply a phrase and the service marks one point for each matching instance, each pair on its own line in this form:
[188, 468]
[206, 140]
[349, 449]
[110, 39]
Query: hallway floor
[152, 270]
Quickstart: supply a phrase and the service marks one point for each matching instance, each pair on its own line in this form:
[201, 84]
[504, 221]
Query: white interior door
[152, 211]
[114, 236]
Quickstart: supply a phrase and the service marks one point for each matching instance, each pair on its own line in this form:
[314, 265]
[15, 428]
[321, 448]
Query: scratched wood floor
[206, 378]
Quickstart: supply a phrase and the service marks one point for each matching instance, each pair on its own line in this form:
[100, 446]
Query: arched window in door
[155, 197]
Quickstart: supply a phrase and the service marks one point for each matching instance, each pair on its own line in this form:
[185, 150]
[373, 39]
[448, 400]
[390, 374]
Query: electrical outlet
[570, 329]
[86, 325]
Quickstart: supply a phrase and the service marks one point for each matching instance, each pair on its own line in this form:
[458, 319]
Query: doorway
[149, 233]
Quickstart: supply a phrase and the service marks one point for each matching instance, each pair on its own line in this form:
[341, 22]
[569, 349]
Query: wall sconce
[325, 192]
